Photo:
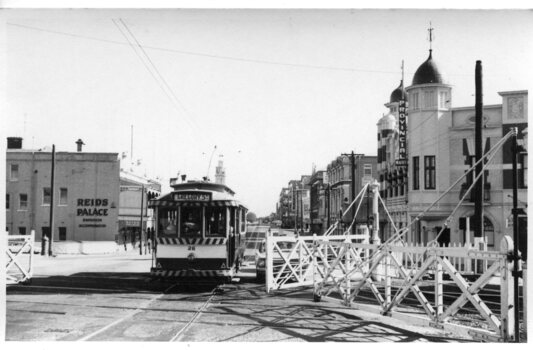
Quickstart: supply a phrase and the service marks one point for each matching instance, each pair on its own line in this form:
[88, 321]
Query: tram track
[128, 316]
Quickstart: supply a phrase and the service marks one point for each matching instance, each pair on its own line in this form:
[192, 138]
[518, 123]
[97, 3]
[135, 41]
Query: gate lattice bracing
[289, 260]
[433, 292]
[17, 270]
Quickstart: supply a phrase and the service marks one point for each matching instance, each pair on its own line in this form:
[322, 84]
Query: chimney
[183, 177]
[14, 143]
[79, 143]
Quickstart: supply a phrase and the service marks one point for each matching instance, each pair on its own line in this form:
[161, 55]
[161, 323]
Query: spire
[430, 32]
[402, 73]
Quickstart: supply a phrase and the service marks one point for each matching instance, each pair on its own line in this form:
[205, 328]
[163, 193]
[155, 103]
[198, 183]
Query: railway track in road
[145, 307]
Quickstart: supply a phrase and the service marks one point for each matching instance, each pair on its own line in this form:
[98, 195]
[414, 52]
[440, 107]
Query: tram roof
[197, 194]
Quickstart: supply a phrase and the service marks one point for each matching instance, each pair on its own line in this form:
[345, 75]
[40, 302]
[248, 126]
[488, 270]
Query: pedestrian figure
[124, 239]
[133, 240]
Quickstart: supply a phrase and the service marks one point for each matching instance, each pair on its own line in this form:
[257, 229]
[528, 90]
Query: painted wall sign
[192, 196]
[92, 206]
[402, 139]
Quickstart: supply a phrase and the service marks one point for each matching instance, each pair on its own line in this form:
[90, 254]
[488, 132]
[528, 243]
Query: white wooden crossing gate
[17, 248]
[430, 291]
[290, 260]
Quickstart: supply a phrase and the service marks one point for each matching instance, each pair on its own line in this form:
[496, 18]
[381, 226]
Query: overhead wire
[222, 57]
[151, 68]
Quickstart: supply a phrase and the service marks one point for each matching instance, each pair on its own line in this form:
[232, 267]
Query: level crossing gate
[290, 260]
[18, 270]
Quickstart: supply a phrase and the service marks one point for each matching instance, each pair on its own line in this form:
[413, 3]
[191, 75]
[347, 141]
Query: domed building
[391, 175]
[439, 150]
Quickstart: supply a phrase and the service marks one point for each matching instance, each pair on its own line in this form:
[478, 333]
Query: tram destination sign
[192, 196]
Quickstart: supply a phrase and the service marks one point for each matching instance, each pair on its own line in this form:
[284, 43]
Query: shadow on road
[109, 283]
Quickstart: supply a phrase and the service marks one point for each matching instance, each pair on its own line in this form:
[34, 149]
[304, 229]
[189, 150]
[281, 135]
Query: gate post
[268, 263]
[439, 300]
[32, 243]
[507, 289]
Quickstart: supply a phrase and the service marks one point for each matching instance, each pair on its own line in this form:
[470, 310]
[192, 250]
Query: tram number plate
[191, 247]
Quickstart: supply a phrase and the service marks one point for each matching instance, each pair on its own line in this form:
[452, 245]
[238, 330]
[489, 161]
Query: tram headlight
[261, 263]
[191, 257]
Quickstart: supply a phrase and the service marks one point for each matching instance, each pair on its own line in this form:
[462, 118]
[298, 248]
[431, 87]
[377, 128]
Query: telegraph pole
[141, 227]
[52, 190]
[478, 208]
[516, 239]
[352, 156]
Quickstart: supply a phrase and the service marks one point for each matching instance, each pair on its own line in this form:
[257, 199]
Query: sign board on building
[402, 129]
[192, 196]
[307, 208]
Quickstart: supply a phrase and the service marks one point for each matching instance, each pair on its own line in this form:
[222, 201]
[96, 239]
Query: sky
[275, 90]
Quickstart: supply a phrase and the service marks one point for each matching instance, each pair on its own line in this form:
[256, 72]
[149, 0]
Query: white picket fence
[412, 256]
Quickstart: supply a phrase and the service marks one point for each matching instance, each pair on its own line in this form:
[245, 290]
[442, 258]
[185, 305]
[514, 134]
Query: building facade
[135, 191]
[317, 202]
[85, 198]
[440, 149]
[338, 188]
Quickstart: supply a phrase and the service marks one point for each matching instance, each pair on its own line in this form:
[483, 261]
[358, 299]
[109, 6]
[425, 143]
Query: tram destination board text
[192, 196]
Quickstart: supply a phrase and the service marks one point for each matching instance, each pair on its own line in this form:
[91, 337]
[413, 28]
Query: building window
[63, 196]
[23, 201]
[443, 99]
[416, 172]
[429, 172]
[47, 195]
[62, 233]
[14, 172]
[368, 170]
[413, 100]
[430, 99]
[7, 201]
[22, 230]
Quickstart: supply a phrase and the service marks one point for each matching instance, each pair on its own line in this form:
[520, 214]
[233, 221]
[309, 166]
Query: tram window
[237, 223]
[191, 222]
[167, 222]
[215, 222]
[243, 220]
[232, 217]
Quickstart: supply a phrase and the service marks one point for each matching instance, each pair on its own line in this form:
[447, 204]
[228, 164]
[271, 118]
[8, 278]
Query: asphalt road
[105, 298]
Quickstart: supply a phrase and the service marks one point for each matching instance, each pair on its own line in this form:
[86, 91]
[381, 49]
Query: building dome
[428, 73]
[398, 94]
[387, 122]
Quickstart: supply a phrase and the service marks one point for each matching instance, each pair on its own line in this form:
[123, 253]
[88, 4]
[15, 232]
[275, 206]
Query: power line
[221, 57]
[161, 86]
[153, 65]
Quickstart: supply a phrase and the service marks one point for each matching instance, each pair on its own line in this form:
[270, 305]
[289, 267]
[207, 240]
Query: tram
[199, 229]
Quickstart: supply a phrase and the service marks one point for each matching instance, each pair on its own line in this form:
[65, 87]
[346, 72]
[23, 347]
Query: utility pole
[516, 239]
[478, 208]
[141, 227]
[329, 205]
[352, 156]
[52, 190]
